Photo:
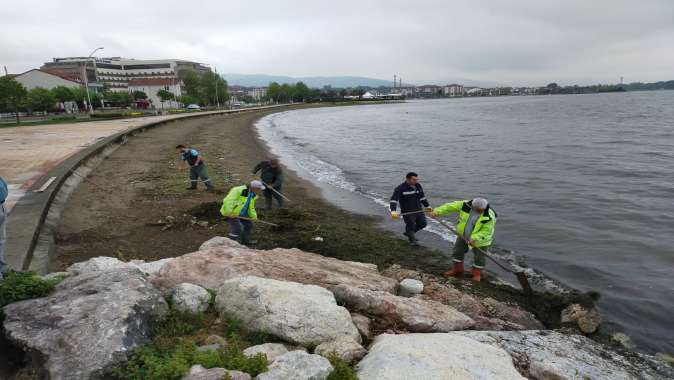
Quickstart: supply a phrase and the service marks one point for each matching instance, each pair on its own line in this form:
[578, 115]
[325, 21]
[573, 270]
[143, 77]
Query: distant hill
[252, 80]
[637, 86]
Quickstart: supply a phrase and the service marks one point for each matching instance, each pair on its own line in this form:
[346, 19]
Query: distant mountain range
[259, 80]
[254, 80]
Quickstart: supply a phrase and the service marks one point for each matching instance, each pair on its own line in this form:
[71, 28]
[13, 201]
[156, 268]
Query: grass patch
[342, 370]
[19, 286]
[173, 349]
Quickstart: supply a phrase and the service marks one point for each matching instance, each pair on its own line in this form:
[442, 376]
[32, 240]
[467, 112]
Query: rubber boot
[245, 238]
[456, 271]
[477, 274]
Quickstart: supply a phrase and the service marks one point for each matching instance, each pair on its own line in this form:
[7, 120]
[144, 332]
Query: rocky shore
[319, 318]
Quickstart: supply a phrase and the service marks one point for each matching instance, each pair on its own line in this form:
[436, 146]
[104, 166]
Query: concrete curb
[26, 223]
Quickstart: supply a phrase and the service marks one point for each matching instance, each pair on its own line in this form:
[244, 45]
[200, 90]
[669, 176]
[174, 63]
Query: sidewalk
[28, 153]
[36, 161]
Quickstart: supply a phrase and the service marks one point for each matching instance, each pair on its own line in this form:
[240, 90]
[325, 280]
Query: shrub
[173, 351]
[342, 370]
[19, 286]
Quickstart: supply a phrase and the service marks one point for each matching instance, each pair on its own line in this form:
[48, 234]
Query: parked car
[193, 107]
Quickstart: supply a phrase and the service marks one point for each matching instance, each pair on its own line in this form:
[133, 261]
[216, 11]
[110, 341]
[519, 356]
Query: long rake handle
[476, 248]
[276, 191]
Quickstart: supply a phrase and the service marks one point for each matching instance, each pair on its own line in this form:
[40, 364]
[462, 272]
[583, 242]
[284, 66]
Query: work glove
[395, 215]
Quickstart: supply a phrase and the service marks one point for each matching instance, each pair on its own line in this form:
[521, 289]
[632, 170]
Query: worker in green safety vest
[239, 209]
[475, 224]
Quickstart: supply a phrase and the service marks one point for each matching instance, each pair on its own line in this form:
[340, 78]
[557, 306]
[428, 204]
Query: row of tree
[207, 89]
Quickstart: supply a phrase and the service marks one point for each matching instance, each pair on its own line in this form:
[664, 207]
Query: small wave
[326, 172]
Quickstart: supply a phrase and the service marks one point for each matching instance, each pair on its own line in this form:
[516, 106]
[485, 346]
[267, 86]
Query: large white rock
[210, 268]
[307, 315]
[435, 356]
[220, 242]
[547, 355]
[298, 365]
[90, 323]
[270, 350]
[344, 348]
[190, 298]
[198, 372]
[151, 267]
[410, 287]
[98, 264]
[417, 315]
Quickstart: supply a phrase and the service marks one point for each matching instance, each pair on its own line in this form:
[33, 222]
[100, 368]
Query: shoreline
[130, 219]
[123, 221]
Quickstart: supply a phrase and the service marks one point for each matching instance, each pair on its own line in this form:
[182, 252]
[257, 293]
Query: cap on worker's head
[480, 203]
[180, 146]
[257, 185]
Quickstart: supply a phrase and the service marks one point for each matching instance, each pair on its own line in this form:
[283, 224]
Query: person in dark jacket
[271, 175]
[4, 192]
[410, 196]
[197, 167]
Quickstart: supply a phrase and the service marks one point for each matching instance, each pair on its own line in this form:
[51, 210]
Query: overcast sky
[508, 42]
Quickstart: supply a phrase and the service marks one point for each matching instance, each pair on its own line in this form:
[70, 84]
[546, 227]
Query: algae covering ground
[135, 205]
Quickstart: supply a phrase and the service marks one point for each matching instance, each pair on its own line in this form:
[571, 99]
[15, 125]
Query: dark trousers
[460, 249]
[414, 223]
[269, 194]
[240, 230]
[197, 172]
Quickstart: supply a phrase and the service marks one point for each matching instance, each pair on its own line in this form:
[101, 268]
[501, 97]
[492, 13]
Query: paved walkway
[27, 153]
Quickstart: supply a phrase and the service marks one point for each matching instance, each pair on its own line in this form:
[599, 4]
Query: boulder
[410, 287]
[362, 324]
[198, 372]
[434, 356]
[98, 264]
[587, 319]
[298, 365]
[88, 324]
[344, 348]
[190, 298]
[151, 267]
[488, 314]
[270, 350]
[210, 268]
[550, 355]
[415, 314]
[220, 242]
[307, 315]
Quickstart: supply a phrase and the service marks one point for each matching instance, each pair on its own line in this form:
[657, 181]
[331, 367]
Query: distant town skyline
[514, 43]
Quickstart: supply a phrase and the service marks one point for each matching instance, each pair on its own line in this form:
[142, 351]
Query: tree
[165, 95]
[40, 99]
[301, 92]
[119, 99]
[212, 84]
[192, 85]
[187, 100]
[138, 94]
[274, 92]
[12, 96]
[63, 94]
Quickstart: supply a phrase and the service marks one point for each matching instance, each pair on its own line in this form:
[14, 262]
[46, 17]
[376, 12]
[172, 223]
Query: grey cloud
[509, 42]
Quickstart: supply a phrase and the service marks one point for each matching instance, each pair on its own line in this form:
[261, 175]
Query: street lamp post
[86, 79]
[217, 98]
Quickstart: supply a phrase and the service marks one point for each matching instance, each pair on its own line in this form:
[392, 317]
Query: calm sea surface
[583, 184]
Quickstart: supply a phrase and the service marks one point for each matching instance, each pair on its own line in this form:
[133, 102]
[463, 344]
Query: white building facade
[151, 86]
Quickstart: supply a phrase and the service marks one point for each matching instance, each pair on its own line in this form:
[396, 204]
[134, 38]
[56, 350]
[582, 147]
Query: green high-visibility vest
[483, 232]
